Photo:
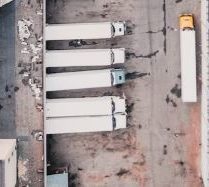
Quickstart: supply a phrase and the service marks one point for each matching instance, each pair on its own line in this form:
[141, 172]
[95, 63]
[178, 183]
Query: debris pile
[22, 170]
[35, 87]
[24, 27]
[31, 46]
[38, 135]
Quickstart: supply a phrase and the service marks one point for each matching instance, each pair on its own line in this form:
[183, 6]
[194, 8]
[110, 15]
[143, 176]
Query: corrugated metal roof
[57, 180]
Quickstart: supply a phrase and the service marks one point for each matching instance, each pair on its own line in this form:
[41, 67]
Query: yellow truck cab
[186, 21]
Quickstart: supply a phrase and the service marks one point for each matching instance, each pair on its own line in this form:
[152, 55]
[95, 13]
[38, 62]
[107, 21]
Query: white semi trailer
[85, 124]
[75, 31]
[188, 58]
[89, 106]
[84, 79]
[84, 57]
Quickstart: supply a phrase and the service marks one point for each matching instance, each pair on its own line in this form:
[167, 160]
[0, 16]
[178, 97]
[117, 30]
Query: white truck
[188, 58]
[75, 31]
[85, 124]
[87, 106]
[84, 57]
[84, 79]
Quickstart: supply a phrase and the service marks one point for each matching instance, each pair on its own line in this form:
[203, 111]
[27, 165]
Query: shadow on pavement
[7, 71]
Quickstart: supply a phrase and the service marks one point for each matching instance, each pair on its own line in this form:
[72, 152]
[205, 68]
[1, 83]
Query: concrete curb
[205, 93]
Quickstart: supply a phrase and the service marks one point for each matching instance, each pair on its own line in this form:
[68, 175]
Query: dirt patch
[193, 146]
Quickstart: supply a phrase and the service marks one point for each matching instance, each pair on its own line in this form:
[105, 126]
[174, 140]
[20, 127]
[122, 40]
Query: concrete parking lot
[161, 146]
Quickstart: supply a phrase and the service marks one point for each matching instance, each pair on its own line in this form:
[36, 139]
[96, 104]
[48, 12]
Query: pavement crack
[154, 32]
[164, 26]
[133, 55]
[176, 91]
[169, 100]
[122, 171]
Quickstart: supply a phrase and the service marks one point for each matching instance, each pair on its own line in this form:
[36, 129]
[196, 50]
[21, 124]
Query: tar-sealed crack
[129, 108]
[6, 88]
[143, 160]
[165, 150]
[133, 55]
[169, 100]
[179, 1]
[135, 75]
[182, 167]
[176, 91]
[164, 26]
[155, 32]
[16, 88]
[122, 172]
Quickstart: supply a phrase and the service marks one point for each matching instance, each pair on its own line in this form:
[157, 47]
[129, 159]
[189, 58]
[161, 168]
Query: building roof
[6, 147]
[3, 2]
[57, 180]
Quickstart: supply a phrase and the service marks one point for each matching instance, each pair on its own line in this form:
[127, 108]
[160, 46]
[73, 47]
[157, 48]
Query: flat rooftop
[6, 146]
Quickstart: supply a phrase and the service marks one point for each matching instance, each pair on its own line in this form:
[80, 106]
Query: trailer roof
[78, 31]
[6, 146]
[78, 80]
[83, 124]
[84, 57]
[84, 106]
[188, 66]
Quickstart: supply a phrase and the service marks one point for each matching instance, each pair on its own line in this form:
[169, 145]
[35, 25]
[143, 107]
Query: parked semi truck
[84, 79]
[84, 57]
[88, 106]
[188, 58]
[75, 31]
[85, 124]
